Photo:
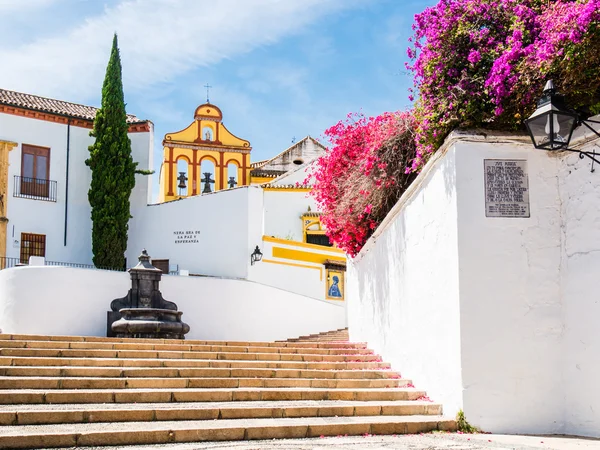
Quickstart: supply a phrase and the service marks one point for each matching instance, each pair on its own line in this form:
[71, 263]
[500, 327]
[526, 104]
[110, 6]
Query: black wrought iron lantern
[551, 125]
[255, 256]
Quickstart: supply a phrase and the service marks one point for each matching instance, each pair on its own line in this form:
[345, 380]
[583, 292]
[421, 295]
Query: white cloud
[159, 40]
[17, 6]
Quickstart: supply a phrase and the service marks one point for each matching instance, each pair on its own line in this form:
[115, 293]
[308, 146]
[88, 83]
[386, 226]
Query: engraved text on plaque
[506, 188]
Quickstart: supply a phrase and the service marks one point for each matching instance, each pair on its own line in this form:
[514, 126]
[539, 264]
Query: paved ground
[435, 441]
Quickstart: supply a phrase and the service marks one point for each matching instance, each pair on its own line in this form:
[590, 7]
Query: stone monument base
[150, 323]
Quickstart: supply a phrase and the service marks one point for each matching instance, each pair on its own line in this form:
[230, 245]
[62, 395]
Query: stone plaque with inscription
[506, 188]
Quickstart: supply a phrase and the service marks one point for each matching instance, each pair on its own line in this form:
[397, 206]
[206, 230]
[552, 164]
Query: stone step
[130, 433]
[178, 383]
[146, 354]
[158, 362]
[62, 345]
[341, 338]
[165, 372]
[27, 396]
[77, 413]
[329, 336]
[33, 337]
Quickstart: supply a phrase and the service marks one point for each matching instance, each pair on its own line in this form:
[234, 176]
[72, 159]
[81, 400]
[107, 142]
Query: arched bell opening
[183, 177]
[207, 176]
[233, 175]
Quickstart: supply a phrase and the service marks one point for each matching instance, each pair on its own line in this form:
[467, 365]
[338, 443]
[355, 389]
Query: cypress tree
[113, 171]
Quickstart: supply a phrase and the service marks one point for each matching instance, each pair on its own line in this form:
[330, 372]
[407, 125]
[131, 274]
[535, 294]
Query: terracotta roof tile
[50, 105]
[286, 186]
[266, 173]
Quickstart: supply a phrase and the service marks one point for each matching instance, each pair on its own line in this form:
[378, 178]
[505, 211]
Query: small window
[32, 245]
[318, 239]
[35, 171]
[314, 233]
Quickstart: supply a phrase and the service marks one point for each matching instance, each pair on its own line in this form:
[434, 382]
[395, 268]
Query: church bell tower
[203, 158]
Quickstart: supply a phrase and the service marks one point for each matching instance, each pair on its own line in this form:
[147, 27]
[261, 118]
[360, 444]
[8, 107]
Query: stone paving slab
[434, 441]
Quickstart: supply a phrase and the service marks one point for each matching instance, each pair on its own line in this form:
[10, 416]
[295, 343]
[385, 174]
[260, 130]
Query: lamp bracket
[582, 155]
[591, 155]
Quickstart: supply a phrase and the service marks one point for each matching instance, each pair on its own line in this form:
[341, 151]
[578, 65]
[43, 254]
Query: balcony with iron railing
[35, 188]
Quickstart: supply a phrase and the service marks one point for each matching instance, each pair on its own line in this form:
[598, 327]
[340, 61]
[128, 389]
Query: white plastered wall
[219, 222]
[71, 301]
[403, 287]
[580, 269]
[511, 310]
[528, 335]
[283, 210]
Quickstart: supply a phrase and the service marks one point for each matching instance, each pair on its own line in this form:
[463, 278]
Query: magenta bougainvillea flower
[483, 63]
[354, 182]
[475, 63]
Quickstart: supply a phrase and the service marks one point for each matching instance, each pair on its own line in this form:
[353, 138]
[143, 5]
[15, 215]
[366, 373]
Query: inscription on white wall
[186, 237]
[506, 188]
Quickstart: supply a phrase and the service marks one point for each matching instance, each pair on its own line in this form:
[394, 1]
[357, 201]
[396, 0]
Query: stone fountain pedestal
[143, 312]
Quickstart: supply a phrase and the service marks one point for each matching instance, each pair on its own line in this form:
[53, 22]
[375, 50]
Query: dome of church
[208, 111]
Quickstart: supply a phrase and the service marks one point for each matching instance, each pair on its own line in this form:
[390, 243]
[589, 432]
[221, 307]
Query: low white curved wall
[68, 301]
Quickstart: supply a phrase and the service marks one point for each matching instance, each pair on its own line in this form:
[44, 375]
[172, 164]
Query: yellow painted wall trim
[299, 255]
[5, 147]
[304, 266]
[261, 180]
[305, 245]
[268, 188]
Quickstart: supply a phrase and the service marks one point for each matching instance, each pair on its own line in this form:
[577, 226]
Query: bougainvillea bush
[363, 175]
[476, 63]
[483, 63]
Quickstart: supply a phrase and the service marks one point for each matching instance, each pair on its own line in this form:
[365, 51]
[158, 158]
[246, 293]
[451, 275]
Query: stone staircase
[65, 391]
[340, 335]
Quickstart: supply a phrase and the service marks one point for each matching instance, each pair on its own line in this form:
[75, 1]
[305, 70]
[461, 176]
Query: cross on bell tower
[207, 86]
[207, 180]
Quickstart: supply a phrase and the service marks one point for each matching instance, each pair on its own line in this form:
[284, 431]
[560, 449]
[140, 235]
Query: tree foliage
[113, 170]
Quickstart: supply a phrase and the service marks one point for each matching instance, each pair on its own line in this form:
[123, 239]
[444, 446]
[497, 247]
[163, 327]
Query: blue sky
[279, 68]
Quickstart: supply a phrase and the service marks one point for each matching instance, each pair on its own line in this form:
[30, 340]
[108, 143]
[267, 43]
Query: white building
[46, 197]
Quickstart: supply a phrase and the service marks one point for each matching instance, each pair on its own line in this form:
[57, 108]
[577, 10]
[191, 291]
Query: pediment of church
[206, 131]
